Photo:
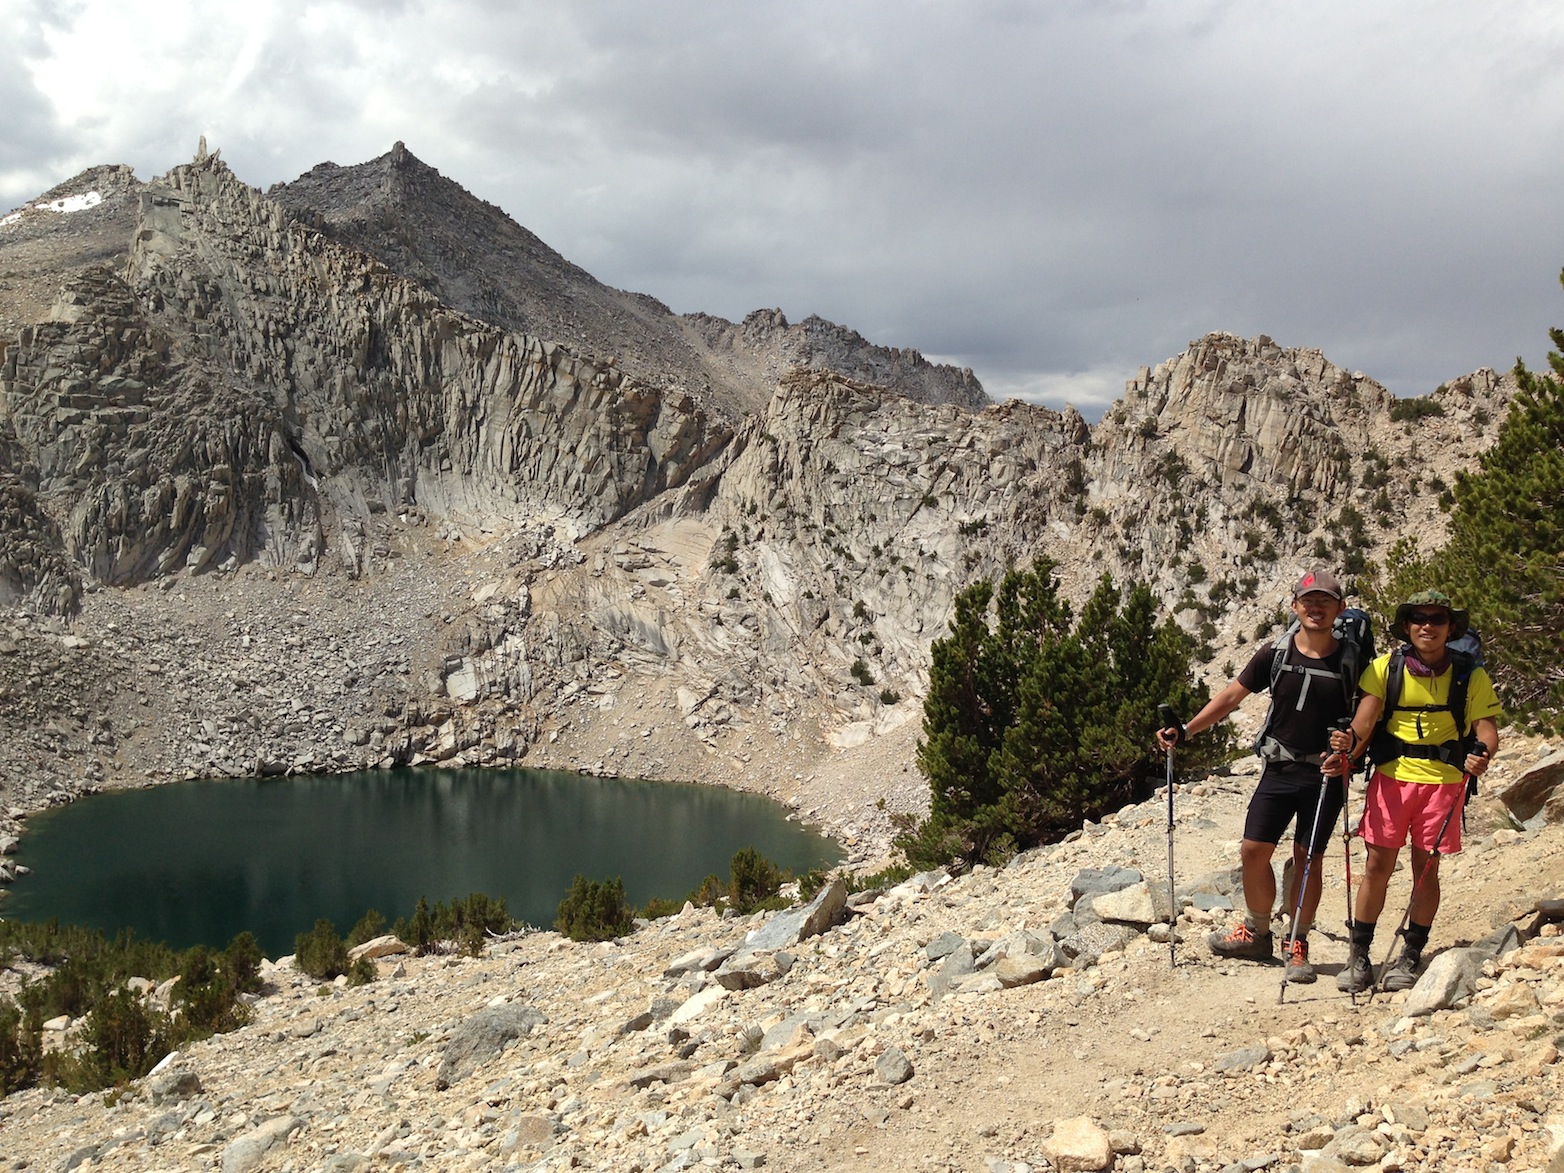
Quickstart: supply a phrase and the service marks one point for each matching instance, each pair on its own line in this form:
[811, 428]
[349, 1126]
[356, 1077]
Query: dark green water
[197, 862]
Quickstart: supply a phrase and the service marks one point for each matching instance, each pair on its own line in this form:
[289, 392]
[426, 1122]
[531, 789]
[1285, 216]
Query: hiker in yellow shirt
[1422, 750]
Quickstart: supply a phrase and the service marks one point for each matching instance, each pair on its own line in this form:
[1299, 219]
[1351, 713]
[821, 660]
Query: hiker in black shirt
[1307, 699]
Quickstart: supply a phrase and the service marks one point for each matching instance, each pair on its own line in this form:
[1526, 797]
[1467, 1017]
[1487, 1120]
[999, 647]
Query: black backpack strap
[1384, 747]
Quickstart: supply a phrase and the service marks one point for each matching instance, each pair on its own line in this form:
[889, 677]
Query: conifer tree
[1504, 560]
[1033, 721]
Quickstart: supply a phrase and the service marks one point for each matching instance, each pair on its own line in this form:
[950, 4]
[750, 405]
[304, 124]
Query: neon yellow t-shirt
[1427, 728]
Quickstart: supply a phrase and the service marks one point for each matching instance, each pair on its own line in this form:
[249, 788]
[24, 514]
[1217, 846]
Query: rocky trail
[1002, 1021]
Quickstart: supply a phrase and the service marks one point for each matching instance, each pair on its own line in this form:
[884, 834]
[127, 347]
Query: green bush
[121, 1040]
[753, 880]
[123, 1036]
[594, 911]
[21, 1048]
[1035, 721]
[861, 673]
[369, 926]
[464, 922]
[660, 906]
[1419, 407]
[320, 952]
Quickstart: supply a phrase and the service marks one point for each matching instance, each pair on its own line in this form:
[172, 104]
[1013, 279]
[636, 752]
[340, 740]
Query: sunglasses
[1425, 619]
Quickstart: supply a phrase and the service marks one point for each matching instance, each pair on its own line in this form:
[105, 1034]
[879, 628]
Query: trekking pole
[1346, 837]
[1170, 721]
[1417, 886]
[1303, 883]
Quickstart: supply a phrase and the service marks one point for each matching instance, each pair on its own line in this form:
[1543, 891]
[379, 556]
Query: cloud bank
[1051, 193]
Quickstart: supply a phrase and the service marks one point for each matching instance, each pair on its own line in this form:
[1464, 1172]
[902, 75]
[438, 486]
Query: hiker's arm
[1216, 710]
[1353, 740]
[1487, 730]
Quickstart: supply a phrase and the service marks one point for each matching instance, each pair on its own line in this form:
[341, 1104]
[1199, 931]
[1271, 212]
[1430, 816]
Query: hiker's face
[1316, 610]
[1429, 636]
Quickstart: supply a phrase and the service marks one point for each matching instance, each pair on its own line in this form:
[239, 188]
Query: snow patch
[75, 203]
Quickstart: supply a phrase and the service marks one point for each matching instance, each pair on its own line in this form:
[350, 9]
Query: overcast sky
[1050, 193]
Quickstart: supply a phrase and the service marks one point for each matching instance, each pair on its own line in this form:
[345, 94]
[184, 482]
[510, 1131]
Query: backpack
[1354, 630]
[1466, 655]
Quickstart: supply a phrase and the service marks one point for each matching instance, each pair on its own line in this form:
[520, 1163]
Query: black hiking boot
[1359, 973]
[1242, 941]
[1402, 974]
[1297, 958]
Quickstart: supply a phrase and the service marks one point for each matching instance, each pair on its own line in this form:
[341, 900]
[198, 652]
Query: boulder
[1079, 1145]
[799, 924]
[893, 1067]
[377, 947]
[1536, 791]
[1244, 1058]
[1140, 903]
[168, 1087]
[1089, 942]
[749, 970]
[482, 1037]
[1450, 977]
[1096, 881]
[251, 1149]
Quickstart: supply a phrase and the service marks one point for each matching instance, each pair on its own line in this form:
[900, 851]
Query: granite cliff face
[297, 449]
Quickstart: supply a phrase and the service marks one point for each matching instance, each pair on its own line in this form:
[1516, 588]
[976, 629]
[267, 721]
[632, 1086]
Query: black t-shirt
[1304, 730]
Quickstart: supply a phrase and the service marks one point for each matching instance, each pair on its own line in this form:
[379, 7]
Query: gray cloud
[1051, 193]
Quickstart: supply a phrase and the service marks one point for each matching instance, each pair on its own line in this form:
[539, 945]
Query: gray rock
[1097, 881]
[957, 965]
[661, 1073]
[1412, 1117]
[1021, 971]
[1536, 789]
[172, 1086]
[248, 1151]
[345, 1163]
[781, 1033]
[799, 924]
[482, 1037]
[530, 1130]
[706, 959]
[747, 970]
[893, 1066]
[1449, 978]
[943, 945]
[1500, 941]
[1355, 1145]
[1088, 943]
[1243, 1058]
[1140, 903]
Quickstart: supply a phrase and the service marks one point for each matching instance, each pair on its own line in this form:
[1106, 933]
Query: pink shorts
[1392, 807]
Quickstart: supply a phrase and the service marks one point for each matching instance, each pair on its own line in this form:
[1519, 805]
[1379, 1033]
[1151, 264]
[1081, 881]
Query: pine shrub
[594, 910]
[1035, 720]
[320, 953]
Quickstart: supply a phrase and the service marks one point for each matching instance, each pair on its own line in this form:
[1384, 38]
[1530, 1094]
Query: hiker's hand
[1334, 765]
[1343, 741]
[1169, 737]
[1477, 763]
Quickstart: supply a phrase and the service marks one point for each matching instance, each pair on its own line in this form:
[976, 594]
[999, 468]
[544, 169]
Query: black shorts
[1288, 791]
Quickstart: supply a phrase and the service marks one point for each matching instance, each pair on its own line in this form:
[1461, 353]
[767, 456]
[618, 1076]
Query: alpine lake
[198, 862]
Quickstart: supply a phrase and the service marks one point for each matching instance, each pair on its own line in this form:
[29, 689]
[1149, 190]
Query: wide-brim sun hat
[1459, 620]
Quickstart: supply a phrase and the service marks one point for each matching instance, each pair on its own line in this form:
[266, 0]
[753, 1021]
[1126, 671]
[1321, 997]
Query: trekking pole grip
[1170, 720]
